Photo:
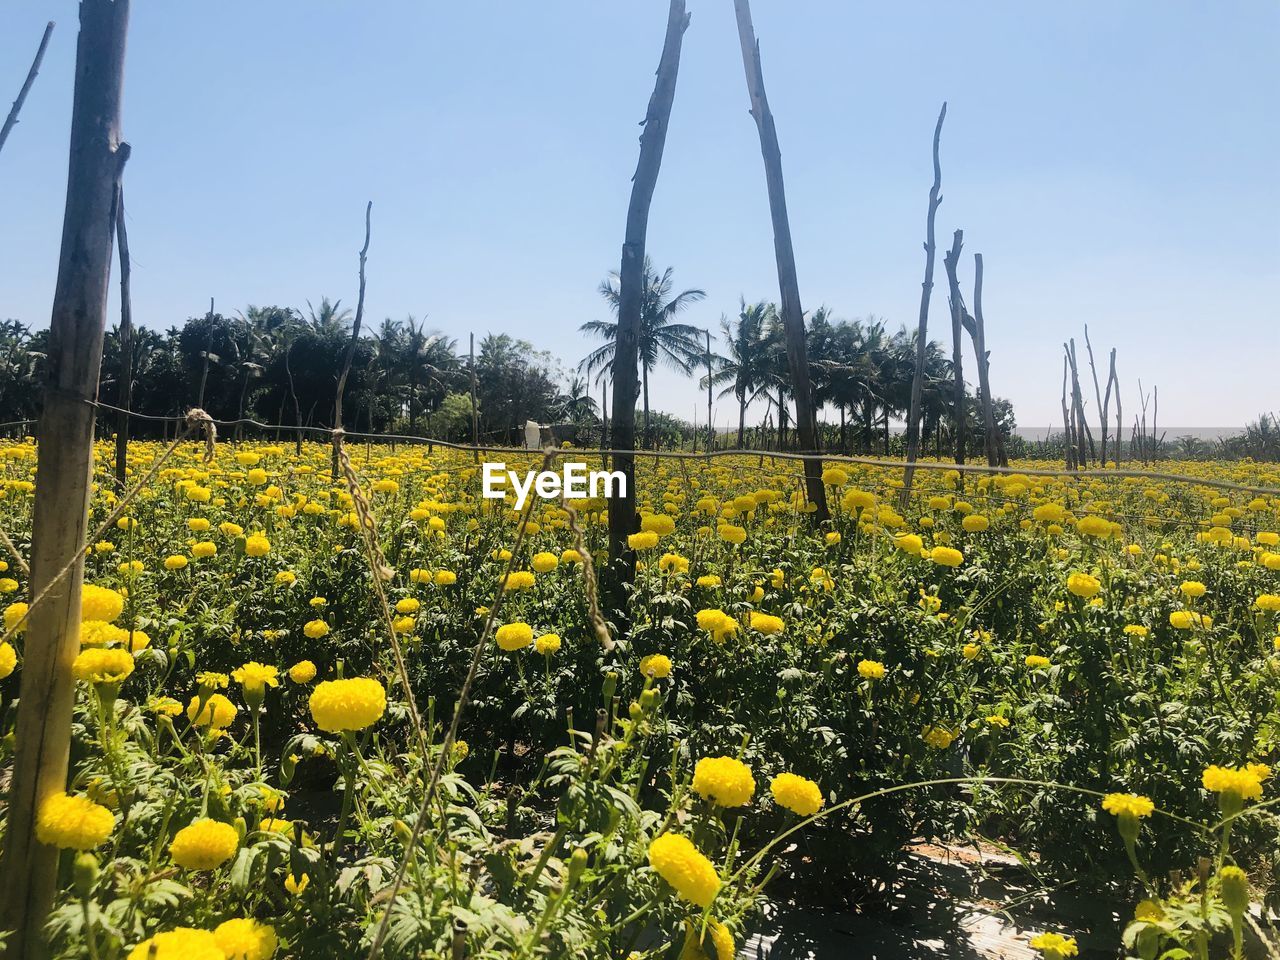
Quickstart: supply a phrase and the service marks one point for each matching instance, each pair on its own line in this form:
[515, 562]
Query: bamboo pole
[951, 260]
[126, 345]
[11, 120]
[788, 282]
[622, 511]
[922, 330]
[64, 466]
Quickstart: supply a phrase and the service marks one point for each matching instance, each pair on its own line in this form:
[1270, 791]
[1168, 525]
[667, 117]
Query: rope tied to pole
[197, 419]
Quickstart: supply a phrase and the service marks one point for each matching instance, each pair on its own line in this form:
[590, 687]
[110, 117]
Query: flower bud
[577, 864]
[85, 874]
[1235, 890]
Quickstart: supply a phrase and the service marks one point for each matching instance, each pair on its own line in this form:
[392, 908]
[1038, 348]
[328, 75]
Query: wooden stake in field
[622, 510]
[788, 282]
[351, 344]
[922, 330]
[125, 392]
[959, 415]
[978, 334]
[64, 466]
[11, 120]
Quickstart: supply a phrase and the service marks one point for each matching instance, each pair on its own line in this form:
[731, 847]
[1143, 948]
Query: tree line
[280, 365]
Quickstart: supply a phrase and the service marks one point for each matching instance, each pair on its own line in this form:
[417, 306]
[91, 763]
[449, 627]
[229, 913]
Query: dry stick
[1106, 400]
[922, 330]
[784, 254]
[1083, 430]
[622, 517]
[477, 655]
[351, 347]
[13, 552]
[952, 261]
[588, 577]
[1097, 395]
[380, 572]
[65, 458]
[1066, 420]
[978, 334]
[1119, 408]
[11, 120]
[126, 344]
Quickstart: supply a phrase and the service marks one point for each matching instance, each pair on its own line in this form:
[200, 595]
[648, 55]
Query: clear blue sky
[1115, 163]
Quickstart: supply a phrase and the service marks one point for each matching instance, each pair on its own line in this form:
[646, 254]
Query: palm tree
[576, 403]
[662, 339]
[329, 320]
[742, 372]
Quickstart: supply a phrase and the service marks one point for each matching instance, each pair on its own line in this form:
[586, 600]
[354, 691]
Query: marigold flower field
[1083, 669]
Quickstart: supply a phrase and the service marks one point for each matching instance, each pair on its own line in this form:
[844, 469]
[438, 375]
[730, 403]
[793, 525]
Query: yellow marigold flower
[547, 644]
[72, 822]
[971, 651]
[514, 636]
[656, 665]
[975, 523]
[708, 580]
[302, 672]
[996, 720]
[1189, 620]
[725, 781]
[519, 580]
[1128, 805]
[644, 540]
[419, 575]
[1094, 526]
[204, 845]
[385, 486]
[570, 556]
[731, 534]
[198, 525]
[1270, 602]
[717, 939]
[909, 543]
[212, 680]
[871, 669]
[544, 562]
[100, 603]
[946, 556]
[255, 677]
[682, 865]
[245, 939]
[102, 665]
[99, 633]
[295, 885]
[1191, 589]
[217, 712]
[798, 794]
[347, 704]
[660, 523]
[8, 659]
[1083, 585]
[1233, 785]
[15, 614]
[204, 549]
[182, 943]
[673, 563]
[175, 562]
[1135, 630]
[766, 623]
[445, 578]
[938, 737]
[315, 629]
[165, 706]
[257, 545]
[1054, 946]
[408, 605]
[835, 477]
[1036, 662]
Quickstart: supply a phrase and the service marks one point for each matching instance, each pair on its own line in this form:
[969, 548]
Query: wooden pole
[922, 330]
[1097, 395]
[622, 510]
[711, 430]
[475, 411]
[126, 345]
[350, 352]
[788, 282]
[951, 261]
[64, 466]
[11, 120]
[978, 333]
[1066, 421]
